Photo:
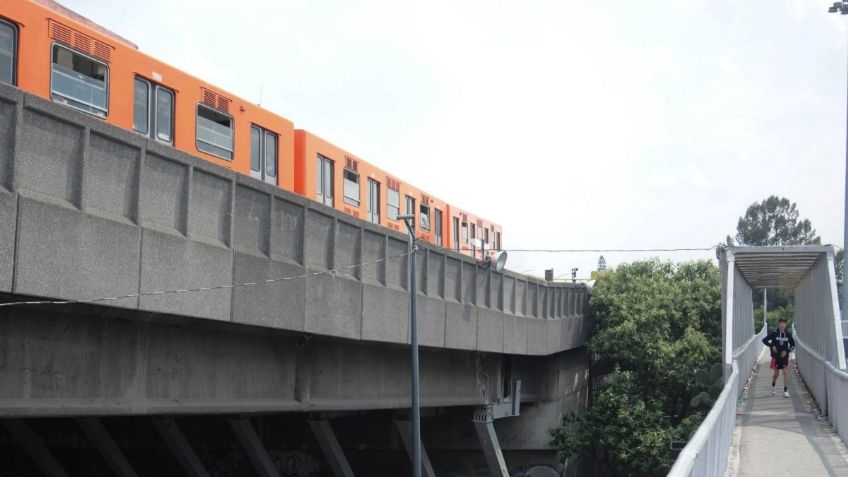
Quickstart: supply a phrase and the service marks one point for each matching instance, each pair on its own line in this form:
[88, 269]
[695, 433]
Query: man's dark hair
[782, 320]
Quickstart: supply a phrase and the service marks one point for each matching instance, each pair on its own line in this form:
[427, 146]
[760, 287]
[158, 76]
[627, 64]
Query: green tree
[623, 433]
[774, 221]
[656, 324]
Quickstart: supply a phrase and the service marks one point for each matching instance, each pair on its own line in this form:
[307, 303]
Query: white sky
[575, 124]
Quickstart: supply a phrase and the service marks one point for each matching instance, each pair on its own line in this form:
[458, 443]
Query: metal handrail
[723, 411]
[685, 463]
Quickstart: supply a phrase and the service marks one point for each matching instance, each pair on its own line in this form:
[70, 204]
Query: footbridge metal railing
[820, 351]
[809, 271]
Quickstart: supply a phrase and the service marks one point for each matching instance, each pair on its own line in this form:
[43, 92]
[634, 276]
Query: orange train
[52, 52]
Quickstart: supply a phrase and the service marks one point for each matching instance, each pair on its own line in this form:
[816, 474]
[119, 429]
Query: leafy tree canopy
[657, 323]
[774, 221]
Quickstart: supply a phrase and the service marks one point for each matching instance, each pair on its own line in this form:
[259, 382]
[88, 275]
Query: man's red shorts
[779, 363]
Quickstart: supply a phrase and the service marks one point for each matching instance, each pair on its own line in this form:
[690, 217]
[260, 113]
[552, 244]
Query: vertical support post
[484, 425]
[253, 447]
[845, 235]
[180, 447]
[839, 347]
[727, 342]
[330, 447]
[765, 307]
[405, 430]
[110, 451]
[33, 446]
[413, 339]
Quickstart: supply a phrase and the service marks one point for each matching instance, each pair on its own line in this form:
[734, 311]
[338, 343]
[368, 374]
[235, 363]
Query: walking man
[780, 343]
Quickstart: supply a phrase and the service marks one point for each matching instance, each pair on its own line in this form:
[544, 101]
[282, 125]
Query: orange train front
[50, 51]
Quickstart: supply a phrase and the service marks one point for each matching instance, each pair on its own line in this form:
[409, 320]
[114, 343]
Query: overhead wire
[591, 250]
[336, 270]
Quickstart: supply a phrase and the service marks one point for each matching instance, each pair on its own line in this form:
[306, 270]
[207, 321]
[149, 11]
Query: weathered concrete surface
[88, 210]
[63, 363]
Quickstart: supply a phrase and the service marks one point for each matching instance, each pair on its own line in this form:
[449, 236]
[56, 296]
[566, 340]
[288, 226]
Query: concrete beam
[33, 446]
[330, 447]
[252, 445]
[405, 430]
[483, 424]
[110, 451]
[180, 447]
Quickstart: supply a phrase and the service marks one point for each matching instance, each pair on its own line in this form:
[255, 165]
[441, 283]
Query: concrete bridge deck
[777, 436]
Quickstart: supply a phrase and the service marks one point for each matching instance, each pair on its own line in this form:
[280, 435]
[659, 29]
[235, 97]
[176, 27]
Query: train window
[437, 218]
[465, 232]
[153, 115]
[270, 156]
[263, 154]
[79, 81]
[410, 206]
[324, 174]
[425, 217]
[455, 233]
[393, 203]
[351, 188]
[255, 150]
[373, 201]
[214, 132]
[8, 52]
[141, 106]
[164, 114]
[410, 209]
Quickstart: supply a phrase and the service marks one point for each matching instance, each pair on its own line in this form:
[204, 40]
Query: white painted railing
[707, 451]
[828, 385]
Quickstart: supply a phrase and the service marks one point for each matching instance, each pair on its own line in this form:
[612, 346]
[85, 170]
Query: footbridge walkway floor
[775, 436]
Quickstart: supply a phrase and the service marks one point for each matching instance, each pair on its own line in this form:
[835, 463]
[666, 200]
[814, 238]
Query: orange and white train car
[54, 53]
[471, 233]
[338, 178]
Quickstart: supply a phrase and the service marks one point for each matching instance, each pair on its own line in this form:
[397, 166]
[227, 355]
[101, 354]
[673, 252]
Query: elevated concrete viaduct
[89, 211]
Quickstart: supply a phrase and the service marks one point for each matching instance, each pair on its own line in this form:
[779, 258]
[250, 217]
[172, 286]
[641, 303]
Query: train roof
[56, 7]
[63, 10]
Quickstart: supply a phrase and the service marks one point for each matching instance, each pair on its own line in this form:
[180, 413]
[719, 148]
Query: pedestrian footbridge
[748, 430]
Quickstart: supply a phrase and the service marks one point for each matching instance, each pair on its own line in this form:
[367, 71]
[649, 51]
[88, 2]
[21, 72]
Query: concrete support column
[405, 430]
[33, 446]
[180, 447]
[484, 425]
[330, 447]
[110, 451]
[252, 445]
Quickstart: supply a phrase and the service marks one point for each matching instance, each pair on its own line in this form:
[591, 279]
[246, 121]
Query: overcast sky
[615, 124]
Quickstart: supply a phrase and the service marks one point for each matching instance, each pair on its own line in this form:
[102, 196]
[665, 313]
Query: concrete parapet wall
[88, 210]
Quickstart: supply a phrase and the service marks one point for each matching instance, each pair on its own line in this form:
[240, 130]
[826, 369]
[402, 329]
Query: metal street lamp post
[413, 338]
[842, 8]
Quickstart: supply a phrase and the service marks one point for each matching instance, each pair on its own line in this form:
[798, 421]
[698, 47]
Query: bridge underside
[138, 373]
[68, 363]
